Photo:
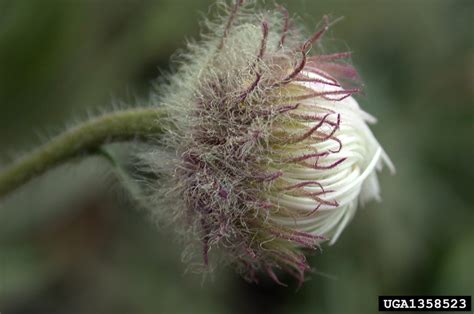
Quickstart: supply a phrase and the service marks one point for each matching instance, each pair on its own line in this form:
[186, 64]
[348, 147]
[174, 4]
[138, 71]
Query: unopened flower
[269, 152]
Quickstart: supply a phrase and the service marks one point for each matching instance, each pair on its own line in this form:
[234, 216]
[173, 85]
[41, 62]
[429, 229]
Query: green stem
[86, 138]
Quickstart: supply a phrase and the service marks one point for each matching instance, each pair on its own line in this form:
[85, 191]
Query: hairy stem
[83, 139]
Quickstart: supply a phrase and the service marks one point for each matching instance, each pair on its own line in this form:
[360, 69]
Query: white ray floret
[352, 182]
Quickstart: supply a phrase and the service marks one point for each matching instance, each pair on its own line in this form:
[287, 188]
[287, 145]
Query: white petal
[353, 181]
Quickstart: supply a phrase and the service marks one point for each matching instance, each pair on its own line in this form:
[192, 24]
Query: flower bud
[270, 154]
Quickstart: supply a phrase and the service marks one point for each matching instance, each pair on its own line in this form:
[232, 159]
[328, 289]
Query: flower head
[270, 152]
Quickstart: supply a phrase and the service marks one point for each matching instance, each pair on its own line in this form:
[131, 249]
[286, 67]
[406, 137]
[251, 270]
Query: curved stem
[143, 123]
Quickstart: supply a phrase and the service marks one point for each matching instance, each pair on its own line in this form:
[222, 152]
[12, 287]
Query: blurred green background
[69, 243]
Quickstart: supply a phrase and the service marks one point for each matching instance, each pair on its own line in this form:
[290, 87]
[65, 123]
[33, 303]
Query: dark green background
[69, 243]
